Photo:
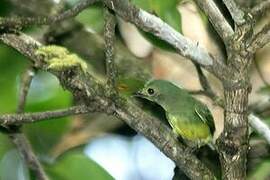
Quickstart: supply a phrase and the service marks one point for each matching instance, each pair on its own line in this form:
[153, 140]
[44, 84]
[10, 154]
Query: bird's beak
[138, 94]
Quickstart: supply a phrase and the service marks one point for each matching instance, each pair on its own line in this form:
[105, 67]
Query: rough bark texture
[235, 134]
[233, 142]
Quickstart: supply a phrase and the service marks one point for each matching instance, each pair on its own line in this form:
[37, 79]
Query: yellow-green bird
[188, 117]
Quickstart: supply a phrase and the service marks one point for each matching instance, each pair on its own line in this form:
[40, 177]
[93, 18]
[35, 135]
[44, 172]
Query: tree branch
[162, 30]
[260, 39]
[88, 90]
[21, 22]
[207, 90]
[143, 20]
[260, 9]
[18, 138]
[24, 88]
[236, 13]
[109, 37]
[203, 80]
[23, 118]
[220, 24]
[25, 149]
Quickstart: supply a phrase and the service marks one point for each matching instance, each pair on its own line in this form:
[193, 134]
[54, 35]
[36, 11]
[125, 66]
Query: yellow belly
[190, 130]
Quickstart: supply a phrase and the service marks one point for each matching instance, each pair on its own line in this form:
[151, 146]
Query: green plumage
[188, 117]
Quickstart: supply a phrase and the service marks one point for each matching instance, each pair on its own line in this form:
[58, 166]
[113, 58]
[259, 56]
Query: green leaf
[5, 145]
[92, 18]
[173, 18]
[46, 94]
[144, 4]
[12, 64]
[12, 167]
[76, 165]
[167, 11]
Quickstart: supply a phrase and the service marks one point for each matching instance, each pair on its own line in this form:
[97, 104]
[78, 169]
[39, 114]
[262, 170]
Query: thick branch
[236, 13]
[233, 141]
[259, 10]
[220, 24]
[20, 22]
[260, 39]
[162, 137]
[109, 37]
[150, 127]
[17, 119]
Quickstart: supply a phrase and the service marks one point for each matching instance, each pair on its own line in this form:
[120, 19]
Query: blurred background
[97, 146]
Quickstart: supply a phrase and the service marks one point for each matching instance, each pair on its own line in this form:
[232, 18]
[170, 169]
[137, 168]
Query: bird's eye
[150, 91]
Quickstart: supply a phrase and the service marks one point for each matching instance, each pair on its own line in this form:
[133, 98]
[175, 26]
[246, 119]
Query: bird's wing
[205, 115]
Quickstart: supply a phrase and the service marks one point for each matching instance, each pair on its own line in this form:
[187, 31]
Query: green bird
[188, 117]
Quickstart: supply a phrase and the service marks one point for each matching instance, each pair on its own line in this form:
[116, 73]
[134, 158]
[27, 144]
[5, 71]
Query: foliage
[76, 165]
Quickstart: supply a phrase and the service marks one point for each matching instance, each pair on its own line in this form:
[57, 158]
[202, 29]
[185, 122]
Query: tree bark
[234, 142]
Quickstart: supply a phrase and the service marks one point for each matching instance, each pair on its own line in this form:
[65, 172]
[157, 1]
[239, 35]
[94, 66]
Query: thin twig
[220, 24]
[203, 80]
[260, 9]
[236, 13]
[23, 118]
[208, 91]
[21, 22]
[25, 149]
[109, 37]
[24, 88]
[18, 138]
[260, 39]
